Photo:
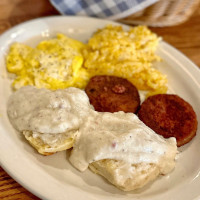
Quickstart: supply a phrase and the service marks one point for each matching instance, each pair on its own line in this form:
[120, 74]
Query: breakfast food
[52, 64]
[123, 149]
[112, 94]
[126, 176]
[62, 62]
[106, 142]
[169, 116]
[116, 63]
[48, 119]
[128, 54]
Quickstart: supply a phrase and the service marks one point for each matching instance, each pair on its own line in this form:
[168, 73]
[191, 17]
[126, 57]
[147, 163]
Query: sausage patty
[169, 116]
[112, 94]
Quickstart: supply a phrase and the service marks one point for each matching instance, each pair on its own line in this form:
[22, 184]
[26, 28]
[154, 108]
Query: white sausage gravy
[119, 136]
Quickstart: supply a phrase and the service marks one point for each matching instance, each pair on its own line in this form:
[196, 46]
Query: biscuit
[48, 148]
[126, 176]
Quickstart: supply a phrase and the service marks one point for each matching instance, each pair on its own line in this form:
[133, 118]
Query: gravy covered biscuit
[123, 149]
[48, 119]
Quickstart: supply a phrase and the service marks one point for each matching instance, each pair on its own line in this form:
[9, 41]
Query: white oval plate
[52, 177]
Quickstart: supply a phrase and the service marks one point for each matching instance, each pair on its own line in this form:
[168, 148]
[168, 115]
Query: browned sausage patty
[169, 116]
[112, 94]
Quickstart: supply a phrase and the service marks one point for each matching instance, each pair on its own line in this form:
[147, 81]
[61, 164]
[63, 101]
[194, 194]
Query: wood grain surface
[185, 37]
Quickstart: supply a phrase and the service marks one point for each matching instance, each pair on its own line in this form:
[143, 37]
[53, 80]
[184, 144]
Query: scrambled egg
[63, 62]
[53, 64]
[128, 54]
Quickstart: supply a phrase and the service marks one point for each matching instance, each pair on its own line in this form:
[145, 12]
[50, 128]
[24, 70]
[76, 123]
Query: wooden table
[185, 37]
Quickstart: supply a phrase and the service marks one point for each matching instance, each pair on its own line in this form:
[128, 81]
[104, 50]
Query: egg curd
[63, 62]
[127, 54]
[52, 64]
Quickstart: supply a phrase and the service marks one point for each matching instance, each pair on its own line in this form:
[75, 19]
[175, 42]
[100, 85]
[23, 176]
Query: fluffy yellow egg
[53, 64]
[128, 54]
[62, 62]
